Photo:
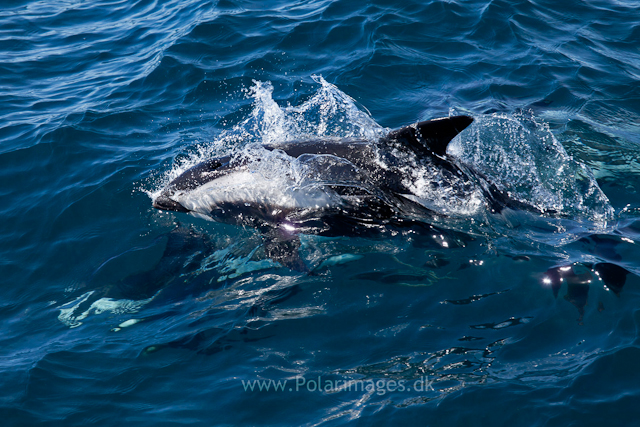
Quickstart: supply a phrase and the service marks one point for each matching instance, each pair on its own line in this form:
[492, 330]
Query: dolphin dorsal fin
[431, 136]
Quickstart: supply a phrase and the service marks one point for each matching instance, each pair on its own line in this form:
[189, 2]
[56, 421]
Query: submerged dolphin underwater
[356, 183]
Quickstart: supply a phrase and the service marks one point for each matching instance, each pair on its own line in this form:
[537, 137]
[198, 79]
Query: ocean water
[115, 313]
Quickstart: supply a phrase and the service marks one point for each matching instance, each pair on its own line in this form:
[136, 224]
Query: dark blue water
[115, 313]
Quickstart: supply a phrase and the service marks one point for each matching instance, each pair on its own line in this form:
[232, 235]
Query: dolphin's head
[187, 181]
[165, 203]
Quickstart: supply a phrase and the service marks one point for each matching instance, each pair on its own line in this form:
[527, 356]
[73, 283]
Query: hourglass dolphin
[216, 185]
[356, 183]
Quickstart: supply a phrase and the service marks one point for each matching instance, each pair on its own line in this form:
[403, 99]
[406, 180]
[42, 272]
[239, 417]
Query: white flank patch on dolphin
[243, 185]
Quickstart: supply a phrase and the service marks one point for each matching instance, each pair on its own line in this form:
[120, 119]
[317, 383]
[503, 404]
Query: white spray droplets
[522, 157]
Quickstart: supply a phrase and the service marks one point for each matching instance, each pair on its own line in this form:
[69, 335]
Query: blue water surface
[115, 313]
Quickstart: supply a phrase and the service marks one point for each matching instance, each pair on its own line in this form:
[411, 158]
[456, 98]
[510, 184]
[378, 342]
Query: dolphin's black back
[430, 137]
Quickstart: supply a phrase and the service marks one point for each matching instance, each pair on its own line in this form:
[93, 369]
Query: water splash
[329, 113]
[442, 192]
[522, 157]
